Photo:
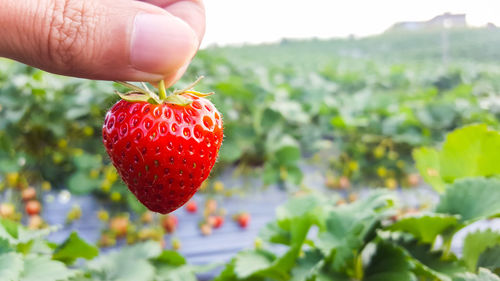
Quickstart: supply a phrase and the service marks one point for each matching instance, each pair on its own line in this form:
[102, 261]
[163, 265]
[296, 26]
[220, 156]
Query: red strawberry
[33, 207]
[243, 219]
[215, 221]
[191, 206]
[163, 150]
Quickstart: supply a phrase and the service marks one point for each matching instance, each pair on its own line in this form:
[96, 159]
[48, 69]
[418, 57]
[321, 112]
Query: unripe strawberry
[28, 194]
[206, 229]
[413, 179]
[169, 223]
[7, 210]
[35, 222]
[176, 244]
[119, 225]
[210, 206]
[147, 217]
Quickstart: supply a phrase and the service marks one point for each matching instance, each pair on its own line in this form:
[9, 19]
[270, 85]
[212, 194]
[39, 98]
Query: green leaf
[4, 246]
[279, 144]
[298, 207]
[269, 119]
[349, 227]
[489, 259]
[74, 247]
[428, 262]
[389, 264]
[294, 174]
[10, 227]
[130, 263]
[271, 232]
[133, 203]
[26, 236]
[81, 183]
[87, 161]
[4, 234]
[265, 264]
[427, 162]
[287, 155]
[171, 257]
[227, 274]
[41, 246]
[484, 275]
[271, 174]
[24, 248]
[284, 264]
[472, 199]
[308, 266]
[171, 266]
[471, 151]
[476, 243]
[230, 151]
[42, 268]
[11, 265]
[173, 273]
[250, 262]
[425, 227]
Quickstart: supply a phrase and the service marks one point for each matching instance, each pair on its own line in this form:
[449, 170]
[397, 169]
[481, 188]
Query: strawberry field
[356, 159]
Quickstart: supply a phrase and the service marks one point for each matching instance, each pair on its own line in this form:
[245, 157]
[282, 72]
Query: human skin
[123, 40]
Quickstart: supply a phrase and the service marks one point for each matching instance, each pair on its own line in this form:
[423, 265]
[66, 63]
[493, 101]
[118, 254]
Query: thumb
[108, 40]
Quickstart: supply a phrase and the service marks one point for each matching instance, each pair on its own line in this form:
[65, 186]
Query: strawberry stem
[162, 92]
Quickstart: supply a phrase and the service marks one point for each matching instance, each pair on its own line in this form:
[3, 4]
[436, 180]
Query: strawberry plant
[368, 240]
[362, 241]
[347, 110]
[26, 255]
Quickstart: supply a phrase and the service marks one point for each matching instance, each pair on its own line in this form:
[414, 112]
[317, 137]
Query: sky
[259, 21]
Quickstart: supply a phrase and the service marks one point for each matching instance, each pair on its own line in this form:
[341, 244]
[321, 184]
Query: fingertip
[161, 44]
[172, 79]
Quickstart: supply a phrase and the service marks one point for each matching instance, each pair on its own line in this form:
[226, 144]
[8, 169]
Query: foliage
[363, 241]
[25, 255]
[313, 237]
[470, 44]
[363, 114]
[364, 117]
[366, 240]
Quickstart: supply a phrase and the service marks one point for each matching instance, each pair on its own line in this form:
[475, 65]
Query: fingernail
[161, 44]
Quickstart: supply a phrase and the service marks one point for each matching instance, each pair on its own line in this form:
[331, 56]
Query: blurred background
[316, 95]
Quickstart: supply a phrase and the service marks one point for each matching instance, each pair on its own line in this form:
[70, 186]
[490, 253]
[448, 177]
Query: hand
[103, 39]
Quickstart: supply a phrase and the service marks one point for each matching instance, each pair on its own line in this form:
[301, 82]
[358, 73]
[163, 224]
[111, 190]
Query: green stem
[162, 92]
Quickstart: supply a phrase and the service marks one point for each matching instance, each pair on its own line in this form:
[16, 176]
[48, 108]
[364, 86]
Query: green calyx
[144, 94]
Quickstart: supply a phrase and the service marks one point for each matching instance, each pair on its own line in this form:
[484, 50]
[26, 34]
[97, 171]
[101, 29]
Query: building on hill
[446, 20]
[491, 25]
